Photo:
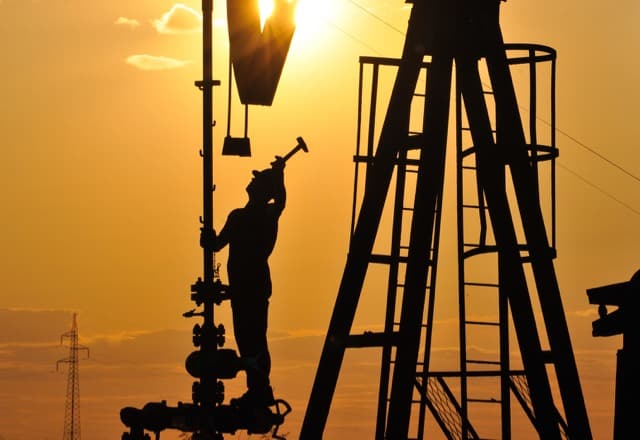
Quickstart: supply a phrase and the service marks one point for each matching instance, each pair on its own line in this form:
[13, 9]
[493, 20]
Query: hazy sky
[100, 188]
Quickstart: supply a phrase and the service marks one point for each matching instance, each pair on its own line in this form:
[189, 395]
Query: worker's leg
[250, 329]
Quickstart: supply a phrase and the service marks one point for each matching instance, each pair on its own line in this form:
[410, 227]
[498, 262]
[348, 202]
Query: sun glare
[266, 8]
[310, 14]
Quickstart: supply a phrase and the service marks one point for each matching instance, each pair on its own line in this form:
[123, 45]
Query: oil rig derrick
[505, 247]
[72, 403]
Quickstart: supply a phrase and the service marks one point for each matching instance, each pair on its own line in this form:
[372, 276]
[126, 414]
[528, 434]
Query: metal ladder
[395, 257]
[483, 307]
[431, 392]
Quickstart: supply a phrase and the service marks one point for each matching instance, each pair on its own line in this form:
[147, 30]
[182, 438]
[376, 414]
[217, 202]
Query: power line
[596, 187]
[578, 142]
[564, 133]
[594, 152]
[609, 161]
[353, 37]
[381, 20]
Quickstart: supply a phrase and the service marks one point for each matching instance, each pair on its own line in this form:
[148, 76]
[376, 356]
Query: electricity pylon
[72, 404]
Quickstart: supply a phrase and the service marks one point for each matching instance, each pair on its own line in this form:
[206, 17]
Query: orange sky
[100, 185]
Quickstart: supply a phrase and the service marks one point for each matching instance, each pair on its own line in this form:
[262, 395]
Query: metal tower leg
[524, 181]
[428, 191]
[395, 128]
[512, 277]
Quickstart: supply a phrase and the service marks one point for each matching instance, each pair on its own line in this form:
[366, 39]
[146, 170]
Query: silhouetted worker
[251, 234]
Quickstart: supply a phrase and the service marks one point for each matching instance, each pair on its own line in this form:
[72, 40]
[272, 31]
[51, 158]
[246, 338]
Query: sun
[314, 20]
[266, 8]
[313, 12]
[310, 14]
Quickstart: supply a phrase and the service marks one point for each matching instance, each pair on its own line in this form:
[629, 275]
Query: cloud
[180, 19]
[152, 62]
[130, 22]
[164, 346]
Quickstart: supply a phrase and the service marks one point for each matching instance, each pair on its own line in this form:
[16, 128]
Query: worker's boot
[255, 398]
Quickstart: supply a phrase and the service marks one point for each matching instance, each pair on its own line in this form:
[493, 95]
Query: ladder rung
[484, 400]
[472, 249]
[469, 129]
[387, 259]
[407, 247]
[468, 283]
[548, 357]
[412, 162]
[414, 140]
[497, 324]
[481, 362]
[360, 158]
[413, 402]
[404, 247]
[402, 286]
[372, 339]
[477, 245]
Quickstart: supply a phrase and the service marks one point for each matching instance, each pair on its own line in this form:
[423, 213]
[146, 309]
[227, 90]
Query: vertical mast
[208, 341]
[206, 85]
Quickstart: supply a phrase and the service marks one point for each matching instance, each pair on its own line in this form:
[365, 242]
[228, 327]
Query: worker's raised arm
[279, 190]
